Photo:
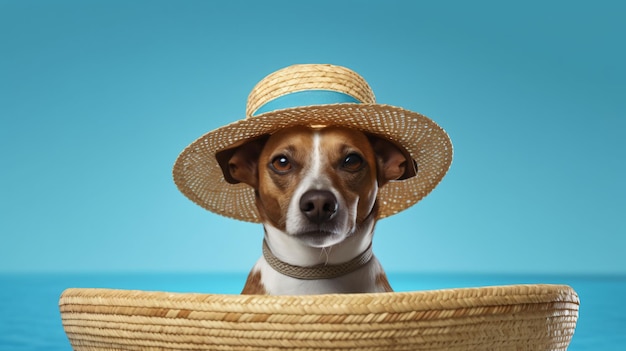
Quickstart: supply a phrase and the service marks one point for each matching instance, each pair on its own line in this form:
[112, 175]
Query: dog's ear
[393, 161]
[239, 163]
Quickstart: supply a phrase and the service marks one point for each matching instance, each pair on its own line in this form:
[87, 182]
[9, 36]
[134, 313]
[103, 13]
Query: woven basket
[514, 317]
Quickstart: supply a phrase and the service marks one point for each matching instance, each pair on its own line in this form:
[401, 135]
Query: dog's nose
[318, 205]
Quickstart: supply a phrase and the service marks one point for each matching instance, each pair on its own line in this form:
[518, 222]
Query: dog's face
[317, 185]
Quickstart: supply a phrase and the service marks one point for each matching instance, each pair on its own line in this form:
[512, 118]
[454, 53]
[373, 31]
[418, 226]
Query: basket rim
[440, 299]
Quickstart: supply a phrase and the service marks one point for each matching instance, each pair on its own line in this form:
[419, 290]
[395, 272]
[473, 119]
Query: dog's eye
[353, 162]
[281, 164]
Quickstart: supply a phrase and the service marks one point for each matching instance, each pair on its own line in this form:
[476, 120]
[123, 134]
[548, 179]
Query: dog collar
[320, 271]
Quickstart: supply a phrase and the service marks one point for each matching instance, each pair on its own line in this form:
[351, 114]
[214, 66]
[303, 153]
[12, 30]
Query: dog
[316, 193]
[317, 161]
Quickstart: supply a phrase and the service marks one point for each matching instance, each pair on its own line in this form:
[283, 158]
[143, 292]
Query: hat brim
[199, 176]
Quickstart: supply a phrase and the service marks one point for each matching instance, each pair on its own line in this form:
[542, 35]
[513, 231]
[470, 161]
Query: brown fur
[253, 285]
[381, 280]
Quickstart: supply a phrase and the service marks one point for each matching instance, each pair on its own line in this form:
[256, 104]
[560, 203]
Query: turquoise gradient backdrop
[97, 98]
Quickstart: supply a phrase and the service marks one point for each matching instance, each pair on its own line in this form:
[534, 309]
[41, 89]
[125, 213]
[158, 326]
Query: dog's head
[316, 184]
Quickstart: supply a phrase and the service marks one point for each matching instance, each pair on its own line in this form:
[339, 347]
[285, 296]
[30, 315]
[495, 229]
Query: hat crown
[309, 78]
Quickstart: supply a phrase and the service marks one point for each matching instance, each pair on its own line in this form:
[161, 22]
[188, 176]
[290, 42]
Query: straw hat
[514, 317]
[315, 95]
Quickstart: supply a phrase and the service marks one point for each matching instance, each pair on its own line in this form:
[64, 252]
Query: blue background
[97, 98]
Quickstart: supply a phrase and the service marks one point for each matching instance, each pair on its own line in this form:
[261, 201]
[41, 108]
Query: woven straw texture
[199, 177]
[306, 77]
[515, 317]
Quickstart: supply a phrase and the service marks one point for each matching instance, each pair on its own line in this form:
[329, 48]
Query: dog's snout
[318, 205]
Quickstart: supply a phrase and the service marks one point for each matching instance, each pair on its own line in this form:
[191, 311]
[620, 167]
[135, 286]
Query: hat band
[306, 98]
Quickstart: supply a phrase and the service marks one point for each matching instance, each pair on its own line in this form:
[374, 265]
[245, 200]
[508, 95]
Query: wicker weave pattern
[318, 77]
[518, 317]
